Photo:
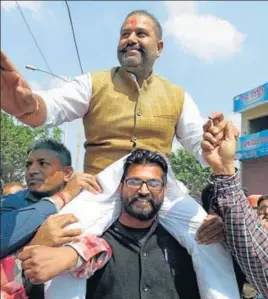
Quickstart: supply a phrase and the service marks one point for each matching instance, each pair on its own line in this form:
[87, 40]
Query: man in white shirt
[126, 108]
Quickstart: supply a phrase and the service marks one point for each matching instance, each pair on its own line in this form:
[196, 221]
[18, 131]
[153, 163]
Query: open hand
[16, 96]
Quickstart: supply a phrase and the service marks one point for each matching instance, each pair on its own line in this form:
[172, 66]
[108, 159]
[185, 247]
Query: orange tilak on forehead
[132, 21]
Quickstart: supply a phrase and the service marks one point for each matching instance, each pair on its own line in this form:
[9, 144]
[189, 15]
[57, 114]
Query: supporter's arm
[42, 263]
[19, 224]
[246, 236]
[189, 130]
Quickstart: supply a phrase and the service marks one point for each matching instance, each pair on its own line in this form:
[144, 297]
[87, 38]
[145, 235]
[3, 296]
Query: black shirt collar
[122, 231]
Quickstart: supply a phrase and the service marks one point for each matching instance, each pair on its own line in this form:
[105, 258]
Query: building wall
[255, 175]
[256, 112]
[254, 170]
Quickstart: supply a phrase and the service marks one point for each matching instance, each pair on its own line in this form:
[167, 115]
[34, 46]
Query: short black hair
[262, 198]
[207, 196]
[157, 24]
[143, 157]
[52, 145]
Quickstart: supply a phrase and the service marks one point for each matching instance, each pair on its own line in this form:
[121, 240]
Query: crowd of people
[125, 228]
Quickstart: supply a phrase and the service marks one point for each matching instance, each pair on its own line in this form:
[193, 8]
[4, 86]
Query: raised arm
[246, 236]
[51, 107]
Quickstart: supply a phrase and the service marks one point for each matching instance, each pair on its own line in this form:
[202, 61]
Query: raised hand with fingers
[214, 129]
[17, 98]
[77, 183]
[221, 157]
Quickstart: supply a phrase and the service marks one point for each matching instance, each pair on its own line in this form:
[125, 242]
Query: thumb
[228, 131]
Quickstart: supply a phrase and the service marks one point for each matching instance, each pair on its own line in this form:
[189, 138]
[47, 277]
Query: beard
[145, 210]
[131, 61]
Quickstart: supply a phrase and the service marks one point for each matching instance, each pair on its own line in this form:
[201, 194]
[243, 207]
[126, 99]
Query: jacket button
[145, 289]
[138, 113]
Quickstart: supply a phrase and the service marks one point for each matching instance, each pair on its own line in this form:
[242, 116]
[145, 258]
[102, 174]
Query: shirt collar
[119, 228]
[29, 196]
[132, 78]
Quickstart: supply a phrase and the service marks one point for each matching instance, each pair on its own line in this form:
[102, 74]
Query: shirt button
[138, 113]
[144, 254]
[145, 289]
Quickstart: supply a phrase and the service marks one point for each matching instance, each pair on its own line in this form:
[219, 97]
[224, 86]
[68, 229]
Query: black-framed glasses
[152, 185]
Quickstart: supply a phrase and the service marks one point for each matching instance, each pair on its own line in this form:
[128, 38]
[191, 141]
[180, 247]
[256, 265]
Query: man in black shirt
[147, 262]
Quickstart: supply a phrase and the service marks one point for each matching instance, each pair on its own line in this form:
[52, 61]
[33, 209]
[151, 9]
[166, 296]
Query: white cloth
[72, 100]
[180, 215]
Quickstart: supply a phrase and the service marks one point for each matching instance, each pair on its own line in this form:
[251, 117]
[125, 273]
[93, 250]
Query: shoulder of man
[176, 90]
[97, 76]
[14, 201]
[168, 82]
[101, 78]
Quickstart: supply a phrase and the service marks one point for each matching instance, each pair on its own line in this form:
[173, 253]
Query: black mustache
[149, 198]
[139, 48]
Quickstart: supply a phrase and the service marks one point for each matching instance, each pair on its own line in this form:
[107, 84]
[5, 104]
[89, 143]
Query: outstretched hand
[17, 98]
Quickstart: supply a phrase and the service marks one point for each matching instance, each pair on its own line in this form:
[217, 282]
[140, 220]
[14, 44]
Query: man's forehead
[140, 21]
[44, 154]
[140, 170]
